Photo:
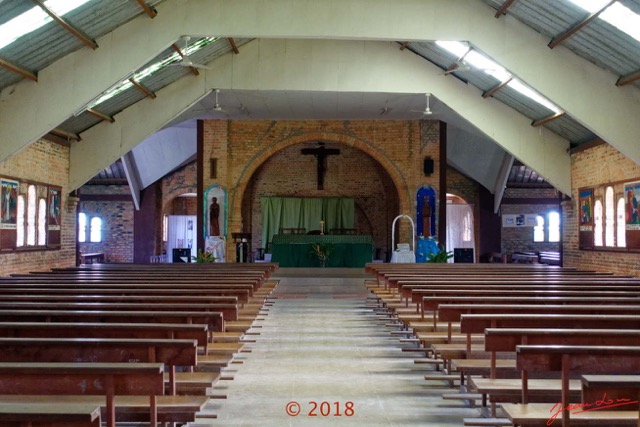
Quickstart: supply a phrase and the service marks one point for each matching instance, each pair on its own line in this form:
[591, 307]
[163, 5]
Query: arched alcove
[460, 226]
[351, 174]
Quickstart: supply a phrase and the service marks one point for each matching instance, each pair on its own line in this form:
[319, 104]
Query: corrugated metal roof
[51, 42]
[598, 42]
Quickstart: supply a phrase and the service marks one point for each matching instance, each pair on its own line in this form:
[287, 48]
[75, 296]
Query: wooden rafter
[234, 47]
[503, 8]
[571, 31]
[18, 70]
[66, 135]
[496, 88]
[149, 10]
[193, 70]
[629, 78]
[142, 88]
[100, 115]
[404, 45]
[64, 24]
[453, 68]
[547, 119]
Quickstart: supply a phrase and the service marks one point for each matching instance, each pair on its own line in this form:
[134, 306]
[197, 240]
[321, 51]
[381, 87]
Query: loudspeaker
[181, 255]
[427, 166]
[463, 255]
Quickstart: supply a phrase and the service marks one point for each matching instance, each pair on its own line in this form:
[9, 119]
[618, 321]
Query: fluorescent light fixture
[617, 15]
[33, 19]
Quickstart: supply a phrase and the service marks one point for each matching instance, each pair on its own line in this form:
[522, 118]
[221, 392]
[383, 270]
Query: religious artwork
[215, 209]
[8, 203]
[54, 209]
[632, 196]
[426, 212]
[321, 154]
[585, 213]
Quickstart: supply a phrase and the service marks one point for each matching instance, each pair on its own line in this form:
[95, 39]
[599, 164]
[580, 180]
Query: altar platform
[294, 250]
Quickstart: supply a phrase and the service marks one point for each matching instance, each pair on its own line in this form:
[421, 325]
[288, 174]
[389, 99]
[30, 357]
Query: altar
[294, 250]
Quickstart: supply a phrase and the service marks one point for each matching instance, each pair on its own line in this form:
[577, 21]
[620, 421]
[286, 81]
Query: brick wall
[47, 163]
[520, 239]
[117, 221]
[590, 168]
[394, 151]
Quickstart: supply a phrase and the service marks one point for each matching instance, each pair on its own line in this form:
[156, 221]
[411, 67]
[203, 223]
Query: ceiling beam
[70, 28]
[149, 10]
[571, 31]
[547, 119]
[142, 88]
[404, 45]
[629, 78]
[100, 115]
[193, 70]
[56, 139]
[18, 70]
[66, 135]
[452, 68]
[496, 88]
[234, 47]
[503, 8]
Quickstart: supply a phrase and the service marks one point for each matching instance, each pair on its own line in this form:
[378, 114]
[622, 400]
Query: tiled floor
[322, 347]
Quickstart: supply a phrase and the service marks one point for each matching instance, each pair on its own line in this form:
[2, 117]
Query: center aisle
[322, 342]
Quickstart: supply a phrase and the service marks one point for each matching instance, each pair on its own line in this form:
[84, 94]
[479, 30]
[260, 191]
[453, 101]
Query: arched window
[597, 223]
[31, 215]
[554, 226]
[621, 225]
[42, 222]
[20, 221]
[610, 218]
[82, 227]
[467, 227]
[538, 229]
[96, 229]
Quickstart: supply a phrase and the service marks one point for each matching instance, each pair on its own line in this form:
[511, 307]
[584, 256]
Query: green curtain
[297, 212]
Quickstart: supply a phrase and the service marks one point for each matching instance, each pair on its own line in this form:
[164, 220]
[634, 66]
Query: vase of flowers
[322, 250]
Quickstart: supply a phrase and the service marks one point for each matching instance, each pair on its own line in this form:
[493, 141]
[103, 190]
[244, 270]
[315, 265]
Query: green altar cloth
[294, 250]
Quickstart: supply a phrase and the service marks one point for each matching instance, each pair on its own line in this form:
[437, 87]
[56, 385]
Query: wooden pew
[101, 379]
[171, 352]
[199, 333]
[213, 320]
[574, 360]
[47, 412]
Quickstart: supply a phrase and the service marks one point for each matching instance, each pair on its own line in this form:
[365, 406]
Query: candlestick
[321, 227]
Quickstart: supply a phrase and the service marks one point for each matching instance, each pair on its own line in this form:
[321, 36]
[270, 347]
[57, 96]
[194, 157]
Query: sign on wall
[519, 220]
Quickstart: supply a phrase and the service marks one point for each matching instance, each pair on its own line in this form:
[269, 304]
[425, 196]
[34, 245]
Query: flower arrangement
[321, 250]
[204, 257]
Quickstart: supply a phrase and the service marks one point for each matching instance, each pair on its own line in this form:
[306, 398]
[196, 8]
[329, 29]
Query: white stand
[404, 253]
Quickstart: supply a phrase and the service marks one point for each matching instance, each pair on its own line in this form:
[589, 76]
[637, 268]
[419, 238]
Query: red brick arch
[263, 155]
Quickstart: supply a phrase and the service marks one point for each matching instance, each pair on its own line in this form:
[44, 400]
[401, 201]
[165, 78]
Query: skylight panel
[533, 95]
[150, 70]
[457, 48]
[617, 15]
[33, 19]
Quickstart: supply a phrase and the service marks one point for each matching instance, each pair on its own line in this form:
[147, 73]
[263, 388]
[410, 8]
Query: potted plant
[322, 250]
[441, 256]
[204, 257]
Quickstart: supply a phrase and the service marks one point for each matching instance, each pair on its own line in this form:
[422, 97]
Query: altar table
[294, 250]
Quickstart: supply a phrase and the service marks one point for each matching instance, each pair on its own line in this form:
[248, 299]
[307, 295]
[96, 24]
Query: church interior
[356, 168]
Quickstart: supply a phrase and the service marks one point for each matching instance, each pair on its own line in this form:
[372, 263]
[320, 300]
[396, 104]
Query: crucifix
[321, 154]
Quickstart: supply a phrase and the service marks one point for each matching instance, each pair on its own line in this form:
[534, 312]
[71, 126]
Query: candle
[321, 227]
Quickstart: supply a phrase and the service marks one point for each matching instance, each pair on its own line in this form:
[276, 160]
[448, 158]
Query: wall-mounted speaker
[427, 166]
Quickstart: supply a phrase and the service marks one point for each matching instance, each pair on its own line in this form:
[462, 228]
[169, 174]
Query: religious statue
[426, 217]
[214, 214]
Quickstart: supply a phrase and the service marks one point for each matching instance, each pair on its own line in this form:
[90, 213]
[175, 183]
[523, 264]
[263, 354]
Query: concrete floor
[322, 342]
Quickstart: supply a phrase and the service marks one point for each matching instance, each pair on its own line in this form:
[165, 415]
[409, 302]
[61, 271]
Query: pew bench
[47, 411]
[102, 379]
